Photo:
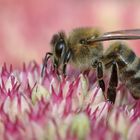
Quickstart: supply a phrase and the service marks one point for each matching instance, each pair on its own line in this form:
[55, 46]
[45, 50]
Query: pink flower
[58, 108]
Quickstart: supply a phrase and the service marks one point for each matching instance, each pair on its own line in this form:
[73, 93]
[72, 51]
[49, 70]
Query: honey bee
[83, 48]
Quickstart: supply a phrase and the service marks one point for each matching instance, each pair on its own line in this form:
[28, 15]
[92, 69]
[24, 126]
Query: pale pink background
[26, 26]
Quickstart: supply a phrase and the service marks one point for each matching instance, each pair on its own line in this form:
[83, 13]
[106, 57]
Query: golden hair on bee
[83, 48]
[82, 52]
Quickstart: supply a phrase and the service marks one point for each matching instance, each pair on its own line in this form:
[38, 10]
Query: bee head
[58, 43]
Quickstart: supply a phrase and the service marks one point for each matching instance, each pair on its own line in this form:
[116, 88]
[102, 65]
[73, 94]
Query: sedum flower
[62, 108]
[80, 126]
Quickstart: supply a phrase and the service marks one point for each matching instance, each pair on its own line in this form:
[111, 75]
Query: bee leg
[55, 65]
[100, 77]
[66, 60]
[45, 60]
[111, 92]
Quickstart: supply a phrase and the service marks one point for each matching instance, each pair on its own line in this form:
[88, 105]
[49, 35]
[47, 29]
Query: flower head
[62, 108]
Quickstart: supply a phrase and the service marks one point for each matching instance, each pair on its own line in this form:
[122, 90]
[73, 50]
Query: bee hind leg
[113, 83]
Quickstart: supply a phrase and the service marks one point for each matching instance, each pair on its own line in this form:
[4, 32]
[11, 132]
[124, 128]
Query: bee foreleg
[55, 65]
[111, 92]
[100, 77]
[66, 60]
[47, 56]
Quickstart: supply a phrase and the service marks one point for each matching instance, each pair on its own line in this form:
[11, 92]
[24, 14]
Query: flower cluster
[54, 107]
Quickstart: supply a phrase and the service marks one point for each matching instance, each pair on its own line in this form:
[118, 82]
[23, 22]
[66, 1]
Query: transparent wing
[130, 34]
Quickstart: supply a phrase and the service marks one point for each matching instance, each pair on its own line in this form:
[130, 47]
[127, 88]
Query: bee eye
[60, 45]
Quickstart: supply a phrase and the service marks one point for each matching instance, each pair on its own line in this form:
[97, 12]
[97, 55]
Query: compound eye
[60, 45]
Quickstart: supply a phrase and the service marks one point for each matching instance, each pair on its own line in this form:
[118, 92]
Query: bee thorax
[83, 63]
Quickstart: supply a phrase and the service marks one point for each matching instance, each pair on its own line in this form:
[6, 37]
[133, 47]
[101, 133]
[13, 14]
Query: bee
[83, 48]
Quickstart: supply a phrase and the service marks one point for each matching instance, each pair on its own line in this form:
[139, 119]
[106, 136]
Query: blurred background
[26, 26]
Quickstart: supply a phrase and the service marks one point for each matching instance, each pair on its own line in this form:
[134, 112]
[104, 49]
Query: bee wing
[130, 34]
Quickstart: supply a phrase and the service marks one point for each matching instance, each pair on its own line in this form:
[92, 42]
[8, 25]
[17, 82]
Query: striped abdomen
[128, 67]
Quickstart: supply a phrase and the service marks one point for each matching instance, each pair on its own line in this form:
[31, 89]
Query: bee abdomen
[131, 67]
[134, 87]
[119, 52]
[131, 77]
[125, 59]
